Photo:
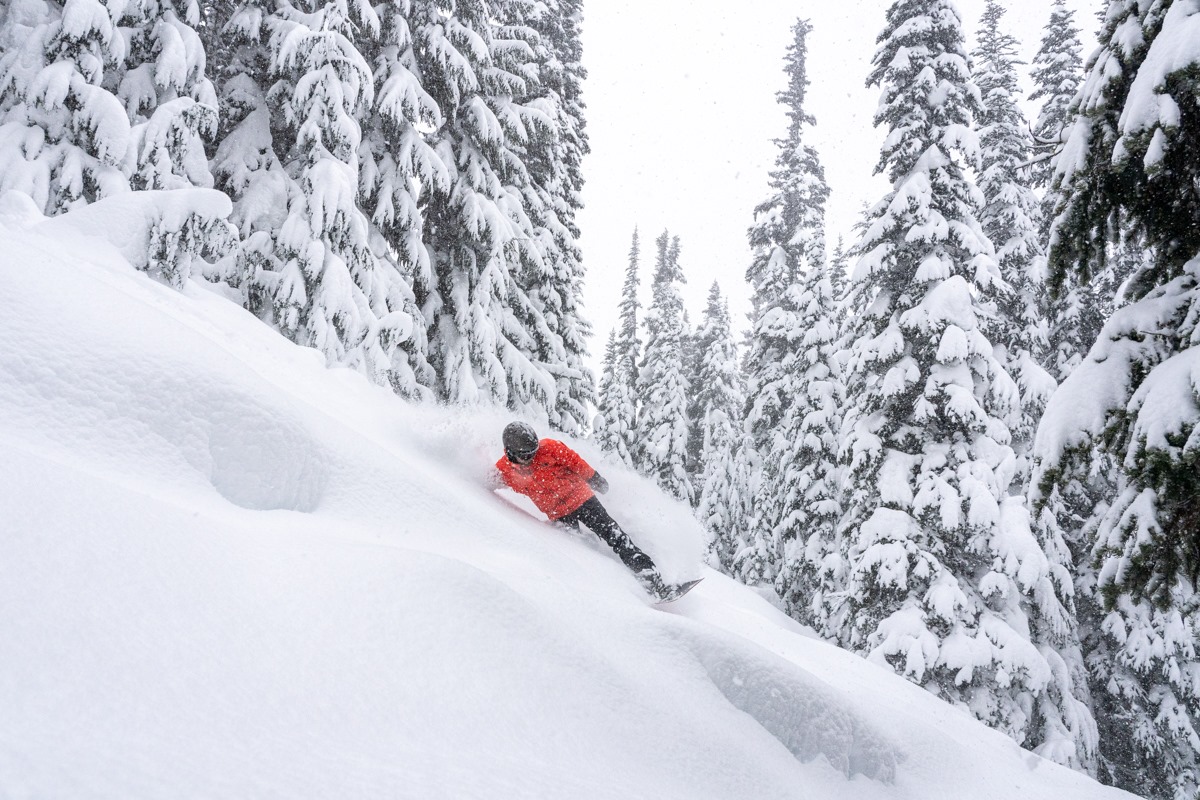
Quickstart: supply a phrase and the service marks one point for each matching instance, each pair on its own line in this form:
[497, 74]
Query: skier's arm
[576, 464]
[597, 482]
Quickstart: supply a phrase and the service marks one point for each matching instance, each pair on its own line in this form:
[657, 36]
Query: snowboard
[677, 591]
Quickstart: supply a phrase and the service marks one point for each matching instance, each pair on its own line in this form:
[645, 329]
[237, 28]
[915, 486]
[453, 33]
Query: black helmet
[520, 442]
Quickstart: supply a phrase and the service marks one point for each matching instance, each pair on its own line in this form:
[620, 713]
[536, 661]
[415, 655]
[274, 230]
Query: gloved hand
[493, 480]
[598, 483]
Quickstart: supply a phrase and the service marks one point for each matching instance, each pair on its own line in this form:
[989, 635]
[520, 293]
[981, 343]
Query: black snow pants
[595, 517]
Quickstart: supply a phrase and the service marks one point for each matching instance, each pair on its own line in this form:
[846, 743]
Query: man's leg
[596, 518]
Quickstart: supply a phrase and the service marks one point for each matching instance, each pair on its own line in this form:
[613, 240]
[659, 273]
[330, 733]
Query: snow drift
[229, 571]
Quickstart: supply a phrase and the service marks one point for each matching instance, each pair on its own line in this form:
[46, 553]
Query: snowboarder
[560, 483]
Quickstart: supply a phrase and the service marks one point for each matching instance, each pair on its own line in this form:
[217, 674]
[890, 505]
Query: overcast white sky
[682, 116]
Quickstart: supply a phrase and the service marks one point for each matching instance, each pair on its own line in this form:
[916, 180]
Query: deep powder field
[229, 571]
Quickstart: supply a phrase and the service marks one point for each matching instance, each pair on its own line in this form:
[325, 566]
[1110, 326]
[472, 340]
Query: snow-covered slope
[227, 571]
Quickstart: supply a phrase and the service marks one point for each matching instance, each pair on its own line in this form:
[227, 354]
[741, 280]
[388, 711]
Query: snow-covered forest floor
[226, 570]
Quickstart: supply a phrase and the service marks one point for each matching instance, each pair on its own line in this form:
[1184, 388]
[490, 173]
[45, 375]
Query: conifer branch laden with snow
[167, 93]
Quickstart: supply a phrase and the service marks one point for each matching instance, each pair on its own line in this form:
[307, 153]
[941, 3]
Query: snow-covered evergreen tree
[839, 269]
[695, 340]
[294, 89]
[398, 168]
[555, 141]
[600, 431]
[483, 327]
[944, 572]
[64, 134]
[1127, 174]
[662, 378]
[398, 165]
[1062, 728]
[298, 116]
[1010, 218]
[720, 399]
[805, 451]
[618, 432]
[1056, 72]
[332, 293]
[1073, 316]
[788, 243]
[246, 165]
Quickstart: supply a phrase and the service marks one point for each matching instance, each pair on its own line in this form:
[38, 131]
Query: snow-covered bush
[167, 233]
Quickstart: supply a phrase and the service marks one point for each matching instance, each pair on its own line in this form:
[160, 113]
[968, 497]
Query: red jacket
[556, 479]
